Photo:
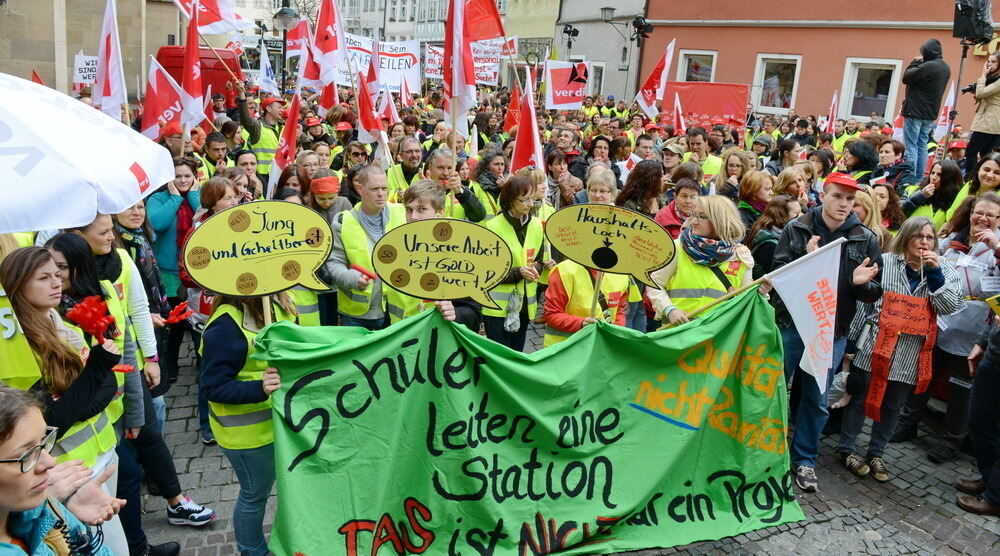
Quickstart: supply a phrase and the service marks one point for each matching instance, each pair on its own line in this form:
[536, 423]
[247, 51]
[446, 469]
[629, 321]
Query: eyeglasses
[357, 154]
[696, 216]
[977, 214]
[30, 458]
[527, 201]
[925, 238]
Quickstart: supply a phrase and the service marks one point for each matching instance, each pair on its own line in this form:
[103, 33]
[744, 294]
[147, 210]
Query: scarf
[705, 251]
[756, 206]
[185, 221]
[139, 248]
[109, 267]
[374, 225]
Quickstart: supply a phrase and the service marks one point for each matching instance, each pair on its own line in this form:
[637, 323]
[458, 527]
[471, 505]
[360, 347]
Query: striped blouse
[948, 299]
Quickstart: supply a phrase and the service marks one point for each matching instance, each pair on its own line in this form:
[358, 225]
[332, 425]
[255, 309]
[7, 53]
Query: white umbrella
[63, 162]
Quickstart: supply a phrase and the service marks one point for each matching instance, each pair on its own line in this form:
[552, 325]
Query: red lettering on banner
[386, 531]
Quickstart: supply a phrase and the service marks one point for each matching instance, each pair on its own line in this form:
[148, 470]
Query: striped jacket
[948, 299]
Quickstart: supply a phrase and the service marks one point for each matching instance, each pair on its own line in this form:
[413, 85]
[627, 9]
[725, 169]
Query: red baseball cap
[957, 145]
[651, 125]
[173, 128]
[844, 180]
[269, 100]
[343, 126]
[313, 121]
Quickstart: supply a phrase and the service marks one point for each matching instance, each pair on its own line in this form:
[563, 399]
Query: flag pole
[722, 299]
[214, 51]
[597, 293]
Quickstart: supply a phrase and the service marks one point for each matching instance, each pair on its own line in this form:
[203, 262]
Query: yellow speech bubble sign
[610, 239]
[259, 248]
[442, 258]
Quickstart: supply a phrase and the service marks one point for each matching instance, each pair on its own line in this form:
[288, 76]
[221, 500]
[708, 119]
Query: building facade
[797, 59]
[45, 36]
[614, 57]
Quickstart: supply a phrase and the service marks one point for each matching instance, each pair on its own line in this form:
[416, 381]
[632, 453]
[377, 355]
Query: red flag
[387, 108]
[679, 123]
[513, 109]
[468, 21]
[832, 117]
[328, 46]
[285, 154]
[328, 98]
[369, 125]
[163, 100]
[109, 83]
[36, 78]
[297, 40]
[565, 84]
[192, 93]
[527, 145]
[405, 97]
[372, 80]
[215, 16]
[311, 74]
[235, 43]
[206, 125]
[656, 84]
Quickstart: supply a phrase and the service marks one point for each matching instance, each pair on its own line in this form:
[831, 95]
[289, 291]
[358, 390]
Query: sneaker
[904, 433]
[942, 453]
[855, 464]
[805, 477]
[878, 469]
[208, 439]
[189, 513]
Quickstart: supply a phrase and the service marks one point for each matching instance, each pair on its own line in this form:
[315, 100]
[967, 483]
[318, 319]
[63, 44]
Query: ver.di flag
[109, 92]
[942, 123]
[527, 145]
[163, 100]
[297, 40]
[426, 437]
[328, 44]
[214, 16]
[655, 86]
[809, 292]
[566, 84]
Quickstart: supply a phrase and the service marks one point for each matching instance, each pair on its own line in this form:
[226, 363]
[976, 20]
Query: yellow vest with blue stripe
[491, 205]
[265, 147]
[400, 306]
[354, 302]
[243, 426]
[939, 217]
[397, 183]
[694, 285]
[521, 255]
[579, 286]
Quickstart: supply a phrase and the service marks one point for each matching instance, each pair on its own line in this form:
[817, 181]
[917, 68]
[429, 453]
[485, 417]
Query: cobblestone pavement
[914, 513]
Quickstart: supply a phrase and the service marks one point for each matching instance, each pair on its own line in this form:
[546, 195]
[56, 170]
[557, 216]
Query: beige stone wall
[31, 33]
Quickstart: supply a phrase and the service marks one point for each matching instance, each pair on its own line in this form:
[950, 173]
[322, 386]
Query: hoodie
[925, 82]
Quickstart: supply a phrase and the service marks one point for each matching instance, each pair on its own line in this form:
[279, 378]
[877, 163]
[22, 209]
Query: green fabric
[647, 439]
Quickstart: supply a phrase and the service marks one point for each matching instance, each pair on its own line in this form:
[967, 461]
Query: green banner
[428, 438]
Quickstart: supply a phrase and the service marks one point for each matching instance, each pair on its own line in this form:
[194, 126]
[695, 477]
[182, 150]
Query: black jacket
[861, 244]
[898, 176]
[925, 83]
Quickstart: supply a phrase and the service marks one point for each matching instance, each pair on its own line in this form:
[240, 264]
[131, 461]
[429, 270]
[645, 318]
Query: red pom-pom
[179, 313]
[91, 314]
[123, 368]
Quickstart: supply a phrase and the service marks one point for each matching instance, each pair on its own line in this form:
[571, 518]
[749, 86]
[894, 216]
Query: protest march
[432, 307]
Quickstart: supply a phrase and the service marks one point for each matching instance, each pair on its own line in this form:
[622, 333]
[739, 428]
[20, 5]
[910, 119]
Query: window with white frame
[871, 85]
[776, 81]
[696, 65]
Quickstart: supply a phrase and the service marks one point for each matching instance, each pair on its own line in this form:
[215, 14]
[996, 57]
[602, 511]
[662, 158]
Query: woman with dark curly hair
[860, 161]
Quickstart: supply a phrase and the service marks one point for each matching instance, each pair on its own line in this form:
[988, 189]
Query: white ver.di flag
[808, 287]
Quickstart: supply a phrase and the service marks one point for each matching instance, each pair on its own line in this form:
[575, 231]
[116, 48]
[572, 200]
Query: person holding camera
[986, 123]
[926, 79]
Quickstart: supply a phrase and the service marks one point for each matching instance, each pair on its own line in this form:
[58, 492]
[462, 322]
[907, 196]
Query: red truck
[212, 71]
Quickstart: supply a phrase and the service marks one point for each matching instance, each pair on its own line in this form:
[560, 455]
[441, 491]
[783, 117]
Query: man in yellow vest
[264, 133]
[360, 295]
[214, 158]
[589, 109]
[459, 201]
[402, 174]
[698, 152]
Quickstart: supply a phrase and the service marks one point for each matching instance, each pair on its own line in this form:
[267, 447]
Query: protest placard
[610, 239]
[426, 437]
[259, 248]
[442, 258]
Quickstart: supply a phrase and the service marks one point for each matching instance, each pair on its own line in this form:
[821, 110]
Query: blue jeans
[883, 429]
[160, 407]
[203, 424]
[368, 324]
[255, 471]
[812, 411]
[915, 139]
[636, 316]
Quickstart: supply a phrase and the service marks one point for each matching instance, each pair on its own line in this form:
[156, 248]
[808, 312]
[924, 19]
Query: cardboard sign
[397, 61]
[84, 68]
[259, 248]
[433, 62]
[486, 59]
[565, 84]
[610, 239]
[442, 258]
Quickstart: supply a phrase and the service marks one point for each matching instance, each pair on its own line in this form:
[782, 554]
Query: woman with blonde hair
[791, 182]
[867, 211]
[710, 261]
[737, 163]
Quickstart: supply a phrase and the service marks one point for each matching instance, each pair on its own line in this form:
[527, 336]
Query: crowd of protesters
[740, 199]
